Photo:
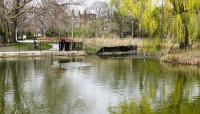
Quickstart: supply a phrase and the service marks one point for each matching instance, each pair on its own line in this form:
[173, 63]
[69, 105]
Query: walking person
[61, 44]
[35, 44]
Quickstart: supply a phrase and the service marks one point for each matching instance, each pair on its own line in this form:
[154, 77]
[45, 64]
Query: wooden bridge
[69, 44]
[54, 40]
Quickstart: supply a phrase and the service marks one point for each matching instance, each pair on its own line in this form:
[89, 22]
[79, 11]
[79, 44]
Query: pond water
[94, 85]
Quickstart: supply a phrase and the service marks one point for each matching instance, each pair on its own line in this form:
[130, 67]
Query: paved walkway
[26, 41]
[8, 51]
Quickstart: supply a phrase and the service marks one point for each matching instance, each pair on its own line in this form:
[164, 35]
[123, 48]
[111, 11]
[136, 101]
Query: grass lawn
[30, 47]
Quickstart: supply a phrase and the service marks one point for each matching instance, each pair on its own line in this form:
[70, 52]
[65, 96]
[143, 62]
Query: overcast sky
[89, 2]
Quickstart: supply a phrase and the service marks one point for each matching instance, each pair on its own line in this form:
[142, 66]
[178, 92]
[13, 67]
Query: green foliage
[51, 33]
[184, 19]
[152, 45]
[132, 108]
[143, 11]
[90, 50]
[198, 36]
[30, 35]
[125, 24]
[124, 108]
[30, 47]
[77, 33]
[82, 33]
[164, 101]
[178, 18]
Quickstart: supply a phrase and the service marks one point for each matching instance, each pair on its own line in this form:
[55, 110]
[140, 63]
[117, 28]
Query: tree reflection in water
[125, 85]
[179, 95]
[2, 87]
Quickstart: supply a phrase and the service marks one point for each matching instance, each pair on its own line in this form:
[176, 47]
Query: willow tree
[179, 17]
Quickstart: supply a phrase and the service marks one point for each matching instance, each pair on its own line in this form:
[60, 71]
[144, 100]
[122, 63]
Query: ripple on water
[90, 88]
[193, 91]
[75, 65]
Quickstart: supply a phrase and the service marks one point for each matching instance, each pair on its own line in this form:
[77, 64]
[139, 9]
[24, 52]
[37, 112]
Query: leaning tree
[178, 18]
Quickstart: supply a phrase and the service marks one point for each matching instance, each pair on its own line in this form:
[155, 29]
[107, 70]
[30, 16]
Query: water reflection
[107, 85]
[165, 89]
[2, 87]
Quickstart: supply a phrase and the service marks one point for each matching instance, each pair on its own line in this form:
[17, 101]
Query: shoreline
[166, 51]
[41, 54]
[191, 57]
[187, 58]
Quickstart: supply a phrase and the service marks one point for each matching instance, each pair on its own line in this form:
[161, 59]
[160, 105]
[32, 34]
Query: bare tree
[102, 25]
[101, 9]
[23, 15]
[10, 12]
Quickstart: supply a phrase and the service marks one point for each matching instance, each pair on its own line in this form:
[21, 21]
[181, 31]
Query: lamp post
[71, 47]
[72, 27]
[162, 21]
[132, 28]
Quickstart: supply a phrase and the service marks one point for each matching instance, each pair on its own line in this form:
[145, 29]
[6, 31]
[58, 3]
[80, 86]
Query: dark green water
[93, 85]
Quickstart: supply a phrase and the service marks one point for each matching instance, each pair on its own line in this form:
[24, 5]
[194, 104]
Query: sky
[88, 3]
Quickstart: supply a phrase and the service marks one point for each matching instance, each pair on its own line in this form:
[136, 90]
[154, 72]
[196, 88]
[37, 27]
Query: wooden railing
[55, 40]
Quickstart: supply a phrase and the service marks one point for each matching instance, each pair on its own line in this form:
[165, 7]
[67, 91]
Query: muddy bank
[182, 57]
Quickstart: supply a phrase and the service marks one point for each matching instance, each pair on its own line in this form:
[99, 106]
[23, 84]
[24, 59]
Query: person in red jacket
[61, 44]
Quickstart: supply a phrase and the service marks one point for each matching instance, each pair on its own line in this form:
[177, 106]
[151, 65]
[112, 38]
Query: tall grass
[94, 44]
[152, 45]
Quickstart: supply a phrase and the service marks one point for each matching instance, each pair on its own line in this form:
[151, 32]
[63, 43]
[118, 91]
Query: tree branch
[20, 7]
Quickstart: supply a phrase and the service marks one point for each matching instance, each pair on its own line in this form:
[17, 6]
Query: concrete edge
[41, 54]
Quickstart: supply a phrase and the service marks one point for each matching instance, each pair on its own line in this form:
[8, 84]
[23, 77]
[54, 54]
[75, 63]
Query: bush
[82, 33]
[152, 45]
[77, 33]
[30, 47]
[30, 35]
[198, 37]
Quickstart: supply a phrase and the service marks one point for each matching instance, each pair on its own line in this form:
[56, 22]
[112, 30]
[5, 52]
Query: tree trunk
[120, 30]
[1, 40]
[4, 39]
[2, 23]
[15, 21]
[14, 34]
[185, 43]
